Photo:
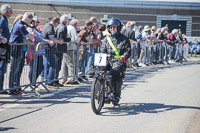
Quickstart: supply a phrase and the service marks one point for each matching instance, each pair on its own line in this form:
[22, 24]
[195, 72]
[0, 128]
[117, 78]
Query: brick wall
[142, 16]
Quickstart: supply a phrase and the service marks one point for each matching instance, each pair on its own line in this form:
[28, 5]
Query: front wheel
[97, 95]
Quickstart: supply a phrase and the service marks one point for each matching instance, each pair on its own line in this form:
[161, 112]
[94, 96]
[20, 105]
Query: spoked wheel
[97, 95]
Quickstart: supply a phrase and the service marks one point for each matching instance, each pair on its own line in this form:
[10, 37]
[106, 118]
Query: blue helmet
[114, 21]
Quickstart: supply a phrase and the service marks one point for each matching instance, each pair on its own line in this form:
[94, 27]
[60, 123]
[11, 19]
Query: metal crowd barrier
[23, 70]
[155, 52]
[51, 61]
[31, 68]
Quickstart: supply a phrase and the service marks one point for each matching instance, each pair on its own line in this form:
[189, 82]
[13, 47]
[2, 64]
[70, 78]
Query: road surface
[161, 99]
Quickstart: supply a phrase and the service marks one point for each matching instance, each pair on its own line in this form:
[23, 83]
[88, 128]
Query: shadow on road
[125, 109]
[139, 75]
[6, 128]
[61, 98]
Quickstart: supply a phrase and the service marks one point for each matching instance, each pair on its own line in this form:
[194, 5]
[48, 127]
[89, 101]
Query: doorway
[174, 24]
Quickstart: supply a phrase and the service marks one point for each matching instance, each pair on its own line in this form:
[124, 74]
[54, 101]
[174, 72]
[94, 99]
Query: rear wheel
[97, 95]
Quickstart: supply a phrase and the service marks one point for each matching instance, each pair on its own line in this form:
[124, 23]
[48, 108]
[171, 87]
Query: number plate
[100, 59]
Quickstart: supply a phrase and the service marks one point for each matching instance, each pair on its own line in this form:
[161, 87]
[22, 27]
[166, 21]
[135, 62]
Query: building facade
[179, 14]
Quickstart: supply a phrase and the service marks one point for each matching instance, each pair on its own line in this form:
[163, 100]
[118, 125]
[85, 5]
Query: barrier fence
[39, 64]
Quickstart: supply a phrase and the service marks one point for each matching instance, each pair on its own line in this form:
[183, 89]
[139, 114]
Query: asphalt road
[162, 99]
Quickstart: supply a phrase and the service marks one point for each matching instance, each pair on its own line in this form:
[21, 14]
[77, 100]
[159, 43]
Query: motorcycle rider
[118, 46]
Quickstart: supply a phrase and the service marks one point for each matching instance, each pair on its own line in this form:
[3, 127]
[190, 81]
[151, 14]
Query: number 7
[100, 59]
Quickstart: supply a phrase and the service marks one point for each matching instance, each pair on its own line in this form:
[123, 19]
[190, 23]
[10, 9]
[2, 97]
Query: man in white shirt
[145, 37]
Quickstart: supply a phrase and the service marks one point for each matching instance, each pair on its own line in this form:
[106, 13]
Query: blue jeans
[179, 54]
[90, 59]
[172, 52]
[166, 53]
[195, 51]
[161, 52]
[53, 64]
[39, 68]
[3, 67]
[17, 65]
[155, 53]
[45, 71]
[135, 53]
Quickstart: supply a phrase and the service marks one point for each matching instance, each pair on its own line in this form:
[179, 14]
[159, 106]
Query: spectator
[67, 68]
[61, 33]
[179, 47]
[153, 36]
[93, 19]
[186, 49]
[154, 41]
[161, 36]
[49, 19]
[45, 70]
[166, 34]
[38, 38]
[18, 17]
[158, 32]
[102, 28]
[128, 23]
[6, 11]
[130, 33]
[138, 37]
[160, 49]
[84, 36]
[166, 57]
[95, 31]
[95, 22]
[93, 48]
[145, 37]
[50, 34]
[194, 46]
[172, 37]
[166, 28]
[17, 52]
[124, 29]
[172, 41]
[40, 27]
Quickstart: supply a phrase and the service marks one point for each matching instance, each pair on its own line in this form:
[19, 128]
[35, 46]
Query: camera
[33, 23]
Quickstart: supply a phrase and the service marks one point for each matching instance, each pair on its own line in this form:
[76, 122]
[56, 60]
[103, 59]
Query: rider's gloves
[122, 59]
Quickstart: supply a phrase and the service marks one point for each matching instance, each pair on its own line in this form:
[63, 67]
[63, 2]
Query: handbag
[30, 56]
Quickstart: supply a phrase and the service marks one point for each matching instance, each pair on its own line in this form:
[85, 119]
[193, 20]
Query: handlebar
[111, 59]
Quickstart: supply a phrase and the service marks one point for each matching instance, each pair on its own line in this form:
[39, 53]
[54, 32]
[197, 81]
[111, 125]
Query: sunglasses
[38, 22]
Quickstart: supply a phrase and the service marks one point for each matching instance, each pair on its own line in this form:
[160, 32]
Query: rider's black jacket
[123, 46]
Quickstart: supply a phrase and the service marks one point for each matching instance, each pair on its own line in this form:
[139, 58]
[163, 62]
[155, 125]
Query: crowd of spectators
[156, 46]
[59, 39]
